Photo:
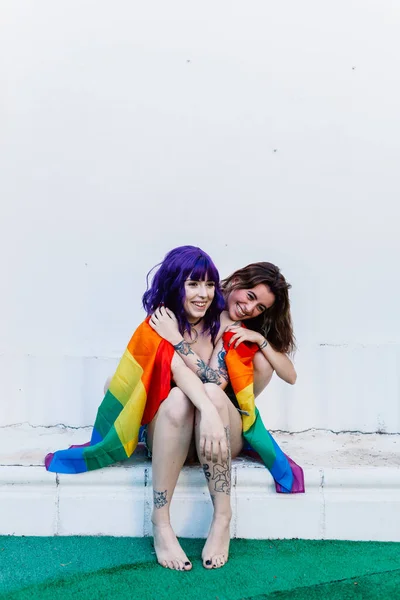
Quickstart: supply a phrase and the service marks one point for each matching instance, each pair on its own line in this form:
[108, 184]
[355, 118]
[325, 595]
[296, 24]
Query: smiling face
[198, 298]
[247, 304]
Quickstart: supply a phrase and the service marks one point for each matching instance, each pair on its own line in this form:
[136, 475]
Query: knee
[177, 408]
[216, 395]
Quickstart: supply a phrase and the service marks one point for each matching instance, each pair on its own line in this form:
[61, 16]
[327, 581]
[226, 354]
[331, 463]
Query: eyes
[195, 284]
[260, 307]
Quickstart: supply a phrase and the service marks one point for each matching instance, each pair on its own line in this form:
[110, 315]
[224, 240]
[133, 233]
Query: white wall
[258, 130]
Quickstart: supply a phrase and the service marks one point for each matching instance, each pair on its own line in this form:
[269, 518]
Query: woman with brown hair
[258, 294]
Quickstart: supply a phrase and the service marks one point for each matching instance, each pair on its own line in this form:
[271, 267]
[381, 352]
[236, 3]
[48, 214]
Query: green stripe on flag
[260, 439]
[109, 451]
[107, 414]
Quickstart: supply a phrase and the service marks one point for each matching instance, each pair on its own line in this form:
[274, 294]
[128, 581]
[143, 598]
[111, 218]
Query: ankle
[223, 517]
[162, 520]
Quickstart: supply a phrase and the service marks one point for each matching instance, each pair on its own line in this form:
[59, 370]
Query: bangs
[204, 270]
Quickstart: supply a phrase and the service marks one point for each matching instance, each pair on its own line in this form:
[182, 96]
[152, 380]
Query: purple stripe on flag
[298, 479]
[48, 459]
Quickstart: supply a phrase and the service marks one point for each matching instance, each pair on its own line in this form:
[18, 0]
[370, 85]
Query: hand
[164, 322]
[213, 440]
[241, 334]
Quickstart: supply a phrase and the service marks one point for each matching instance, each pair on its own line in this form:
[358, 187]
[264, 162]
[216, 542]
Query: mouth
[240, 311]
[200, 305]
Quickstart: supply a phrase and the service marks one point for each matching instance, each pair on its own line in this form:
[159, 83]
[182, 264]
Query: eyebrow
[197, 280]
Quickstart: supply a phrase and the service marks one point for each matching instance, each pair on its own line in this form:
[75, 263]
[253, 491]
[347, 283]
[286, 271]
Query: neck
[195, 322]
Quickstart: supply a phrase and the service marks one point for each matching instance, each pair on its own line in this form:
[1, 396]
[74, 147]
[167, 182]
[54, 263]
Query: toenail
[208, 562]
[187, 563]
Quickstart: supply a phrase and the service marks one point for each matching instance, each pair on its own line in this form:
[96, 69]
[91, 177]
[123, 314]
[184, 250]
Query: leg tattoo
[160, 499]
[206, 469]
[219, 474]
[222, 478]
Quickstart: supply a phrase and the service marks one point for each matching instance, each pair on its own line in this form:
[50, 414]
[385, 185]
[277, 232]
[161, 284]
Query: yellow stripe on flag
[246, 402]
[127, 424]
[128, 373]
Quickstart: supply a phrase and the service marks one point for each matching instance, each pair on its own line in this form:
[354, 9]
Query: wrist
[263, 343]
[206, 407]
[176, 342]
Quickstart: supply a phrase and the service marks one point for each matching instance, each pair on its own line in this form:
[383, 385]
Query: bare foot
[168, 550]
[216, 550]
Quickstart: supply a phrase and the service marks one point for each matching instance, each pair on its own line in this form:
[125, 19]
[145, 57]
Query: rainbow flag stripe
[141, 382]
[288, 476]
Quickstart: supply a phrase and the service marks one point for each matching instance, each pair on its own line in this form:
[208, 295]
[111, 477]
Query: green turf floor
[105, 567]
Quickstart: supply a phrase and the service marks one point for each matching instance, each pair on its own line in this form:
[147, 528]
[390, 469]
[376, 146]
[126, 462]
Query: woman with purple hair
[187, 286]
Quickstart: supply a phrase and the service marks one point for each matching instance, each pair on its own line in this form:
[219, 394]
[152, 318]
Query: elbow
[292, 379]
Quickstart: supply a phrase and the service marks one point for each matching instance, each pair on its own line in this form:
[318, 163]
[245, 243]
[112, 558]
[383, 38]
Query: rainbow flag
[141, 382]
[288, 476]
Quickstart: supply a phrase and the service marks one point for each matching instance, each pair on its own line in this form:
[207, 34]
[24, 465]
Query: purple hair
[168, 286]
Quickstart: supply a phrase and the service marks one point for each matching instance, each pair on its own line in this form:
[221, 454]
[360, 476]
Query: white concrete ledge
[342, 501]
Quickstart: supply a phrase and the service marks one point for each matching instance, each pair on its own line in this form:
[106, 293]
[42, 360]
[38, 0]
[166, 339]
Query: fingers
[235, 340]
[208, 450]
[211, 449]
[159, 313]
[224, 450]
[215, 452]
[170, 313]
[202, 444]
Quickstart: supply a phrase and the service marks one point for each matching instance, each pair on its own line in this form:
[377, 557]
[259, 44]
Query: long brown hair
[275, 323]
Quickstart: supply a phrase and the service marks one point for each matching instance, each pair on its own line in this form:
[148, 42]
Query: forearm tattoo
[160, 499]
[222, 365]
[206, 373]
[183, 348]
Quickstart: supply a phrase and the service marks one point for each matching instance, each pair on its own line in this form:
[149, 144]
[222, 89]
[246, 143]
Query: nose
[202, 290]
[251, 306]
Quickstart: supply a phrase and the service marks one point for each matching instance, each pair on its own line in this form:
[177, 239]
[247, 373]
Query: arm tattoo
[160, 499]
[206, 373]
[183, 348]
[221, 364]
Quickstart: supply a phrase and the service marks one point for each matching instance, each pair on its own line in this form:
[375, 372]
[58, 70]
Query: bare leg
[216, 550]
[169, 436]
